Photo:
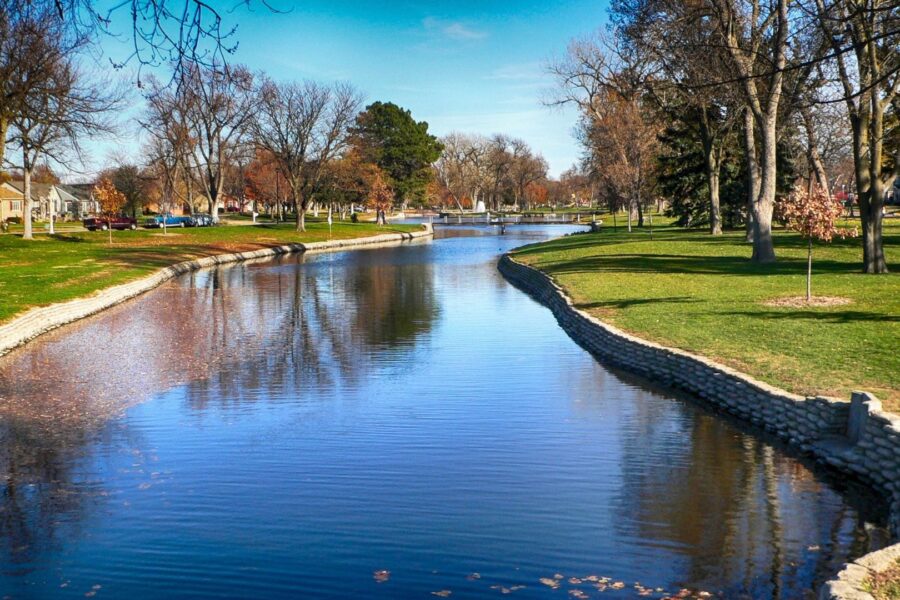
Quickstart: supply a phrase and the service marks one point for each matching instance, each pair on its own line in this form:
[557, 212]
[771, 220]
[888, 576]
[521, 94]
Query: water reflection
[765, 503]
[241, 327]
[286, 428]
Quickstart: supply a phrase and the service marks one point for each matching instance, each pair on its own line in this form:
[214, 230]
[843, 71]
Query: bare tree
[166, 121]
[219, 107]
[755, 34]
[606, 79]
[304, 126]
[33, 40]
[56, 113]
[869, 79]
[525, 167]
[679, 45]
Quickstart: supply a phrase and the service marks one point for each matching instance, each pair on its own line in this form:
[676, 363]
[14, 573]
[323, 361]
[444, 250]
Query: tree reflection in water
[315, 326]
[228, 333]
[732, 505]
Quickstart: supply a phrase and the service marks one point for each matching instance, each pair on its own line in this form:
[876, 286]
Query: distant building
[81, 202]
[11, 203]
[67, 201]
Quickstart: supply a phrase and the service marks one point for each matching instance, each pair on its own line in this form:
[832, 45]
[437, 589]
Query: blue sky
[465, 66]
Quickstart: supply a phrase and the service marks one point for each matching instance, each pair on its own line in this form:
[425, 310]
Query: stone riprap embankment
[43, 319]
[856, 437]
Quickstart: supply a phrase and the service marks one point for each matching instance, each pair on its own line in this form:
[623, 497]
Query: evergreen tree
[389, 137]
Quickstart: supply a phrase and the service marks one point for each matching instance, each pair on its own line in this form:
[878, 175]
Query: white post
[52, 213]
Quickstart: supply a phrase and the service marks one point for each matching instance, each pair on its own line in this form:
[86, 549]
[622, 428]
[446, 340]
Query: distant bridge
[585, 218]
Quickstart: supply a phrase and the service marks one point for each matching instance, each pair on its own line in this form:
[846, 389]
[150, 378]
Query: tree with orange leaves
[380, 197]
[812, 214]
[110, 199]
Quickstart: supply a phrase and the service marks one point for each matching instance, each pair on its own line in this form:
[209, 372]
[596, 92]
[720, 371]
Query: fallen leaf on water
[442, 593]
[558, 576]
[578, 594]
[473, 576]
[617, 585]
[813, 548]
[553, 583]
[381, 576]
[574, 580]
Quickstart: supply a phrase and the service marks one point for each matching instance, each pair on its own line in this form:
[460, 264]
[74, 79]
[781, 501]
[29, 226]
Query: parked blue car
[169, 221]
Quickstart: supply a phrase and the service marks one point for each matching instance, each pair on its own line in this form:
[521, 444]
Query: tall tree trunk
[872, 203]
[29, 203]
[763, 248]
[713, 167]
[4, 131]
[812, 151]
[300, 206]
[753, 181]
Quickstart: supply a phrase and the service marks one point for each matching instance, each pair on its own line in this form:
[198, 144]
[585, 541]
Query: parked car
[201, 220]
[105, 223]
[168, 220]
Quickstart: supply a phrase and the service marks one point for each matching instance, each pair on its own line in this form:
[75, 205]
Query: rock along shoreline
[857, 438]
[40, 320]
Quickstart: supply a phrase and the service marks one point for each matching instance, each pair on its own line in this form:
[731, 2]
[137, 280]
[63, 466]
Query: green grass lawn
[68, 265]
[701, 293]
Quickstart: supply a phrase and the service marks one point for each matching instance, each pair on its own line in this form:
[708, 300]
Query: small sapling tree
[111, 201]
[812, 214]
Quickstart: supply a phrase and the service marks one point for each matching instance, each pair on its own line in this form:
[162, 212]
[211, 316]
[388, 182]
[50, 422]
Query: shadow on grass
[635, 302]
[67, 237]
[689, 264]
[840, 316]
[734, 239]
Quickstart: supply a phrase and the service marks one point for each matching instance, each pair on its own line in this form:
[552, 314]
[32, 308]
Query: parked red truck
[104, 223]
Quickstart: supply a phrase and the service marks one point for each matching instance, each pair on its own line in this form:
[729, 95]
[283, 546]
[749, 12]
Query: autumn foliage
[813, 214]
[380, 197]
[111, 200]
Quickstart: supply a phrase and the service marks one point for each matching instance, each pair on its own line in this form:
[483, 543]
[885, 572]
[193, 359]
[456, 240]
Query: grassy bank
[701, 293]
[68, 265]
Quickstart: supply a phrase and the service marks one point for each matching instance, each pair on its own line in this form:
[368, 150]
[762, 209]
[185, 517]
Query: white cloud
[455, 30]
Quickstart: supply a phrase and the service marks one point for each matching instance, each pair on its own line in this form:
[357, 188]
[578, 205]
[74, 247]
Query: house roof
[38, 190]
[64, 195]
[9, 192]
[82, 191]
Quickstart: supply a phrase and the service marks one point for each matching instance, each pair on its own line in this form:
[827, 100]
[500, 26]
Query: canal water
[386, 423]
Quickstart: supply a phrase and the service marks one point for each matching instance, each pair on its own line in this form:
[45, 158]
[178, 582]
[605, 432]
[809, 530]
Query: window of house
[16, 205]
